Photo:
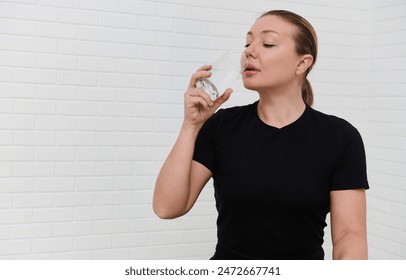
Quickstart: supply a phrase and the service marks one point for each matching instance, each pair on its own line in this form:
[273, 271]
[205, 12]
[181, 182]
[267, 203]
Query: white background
[91, 98]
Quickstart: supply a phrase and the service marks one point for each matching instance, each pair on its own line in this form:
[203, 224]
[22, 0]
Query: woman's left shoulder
[332, 121]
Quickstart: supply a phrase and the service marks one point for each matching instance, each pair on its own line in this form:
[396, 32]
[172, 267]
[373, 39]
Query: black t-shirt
[272, 185]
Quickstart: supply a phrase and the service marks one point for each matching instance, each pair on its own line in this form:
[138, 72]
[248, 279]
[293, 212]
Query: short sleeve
[351, 169]
[204, 152]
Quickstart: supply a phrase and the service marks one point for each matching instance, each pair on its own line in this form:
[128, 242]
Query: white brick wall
[91, 102]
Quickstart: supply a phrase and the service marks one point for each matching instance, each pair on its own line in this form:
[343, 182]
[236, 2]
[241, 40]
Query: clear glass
[225, 70]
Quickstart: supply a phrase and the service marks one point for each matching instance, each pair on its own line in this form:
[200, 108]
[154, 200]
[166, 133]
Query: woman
[278, 165]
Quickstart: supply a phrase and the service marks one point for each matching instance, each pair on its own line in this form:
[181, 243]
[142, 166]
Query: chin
[250, 86]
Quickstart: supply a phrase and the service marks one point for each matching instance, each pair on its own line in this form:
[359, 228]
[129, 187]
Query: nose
[250, 51]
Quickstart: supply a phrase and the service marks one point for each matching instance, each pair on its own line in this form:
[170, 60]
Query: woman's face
[271, 54]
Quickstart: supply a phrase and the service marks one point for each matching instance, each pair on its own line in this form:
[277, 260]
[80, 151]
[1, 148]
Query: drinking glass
[225, 70]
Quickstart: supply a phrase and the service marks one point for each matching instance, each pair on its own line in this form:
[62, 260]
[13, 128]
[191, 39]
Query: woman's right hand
[198, 105]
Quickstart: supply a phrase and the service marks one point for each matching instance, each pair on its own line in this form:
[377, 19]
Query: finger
[206, 67]
[199, 93]
[223, 98]
[202, 73]
[197, 102]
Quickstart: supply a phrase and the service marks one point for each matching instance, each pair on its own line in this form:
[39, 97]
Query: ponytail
[307, 92]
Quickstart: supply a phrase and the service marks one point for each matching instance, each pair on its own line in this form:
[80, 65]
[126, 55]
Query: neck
[279, 110]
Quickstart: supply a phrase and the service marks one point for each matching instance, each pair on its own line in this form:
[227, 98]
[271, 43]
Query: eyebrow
[263, 32]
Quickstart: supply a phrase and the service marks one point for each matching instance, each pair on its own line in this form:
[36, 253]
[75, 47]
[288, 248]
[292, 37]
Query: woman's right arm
[181, 179]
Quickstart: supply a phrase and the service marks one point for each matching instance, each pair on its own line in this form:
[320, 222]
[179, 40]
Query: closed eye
[269, 45]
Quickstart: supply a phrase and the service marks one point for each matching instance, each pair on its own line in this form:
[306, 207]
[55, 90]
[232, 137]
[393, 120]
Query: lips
[250, 69]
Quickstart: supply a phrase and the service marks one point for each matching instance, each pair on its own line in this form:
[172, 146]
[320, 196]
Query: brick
[98, 64]
[58, 184]
[33, 169]
[56, 92]
[5, 201]
[134, 124]
[72, 229]
[17, 26]
[6, 106]
[36, 76]
[74, 169]
[77, 47]
[13, 58]
[95, 124]
[113, 198]
[35, 107]
[55, 123]
[93, 213]
[153, 139]
[73, 255]
[53, 215]
[99, 34]
[130, 240]
[148, 252]
[16, 216]
[131, 182]
[16, 154]
[6, 138]
[75, 138]
[106, 5]
[6, 75]
[136, 66]
[60, 3]
[78, 16]
[132, 212]
[77, 78]
[137, 7]
[119, 50]
[92, 242]
[128, 95]
[94, 183]
[58, 61]
[154, 52]
[99, 94]
[136, 37]
[33, 138]
[115, 139]
[74, 199]
[33, 200]
[32, 231]
[37, 13]
[157, 23]
[95, 154]
[117, 80]
[7, 10]
[15, 247]
[52, 245]
[4, 232]
[112, 227]
[13, 185]
[114, 169]
[115, 109]
[133, 154]
[112, 254]
[166, 238]
[32, 44]
[118, 20]
[76, 108]
[6, 42]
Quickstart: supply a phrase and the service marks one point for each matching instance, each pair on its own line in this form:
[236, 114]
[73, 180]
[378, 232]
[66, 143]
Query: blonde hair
[306, 43]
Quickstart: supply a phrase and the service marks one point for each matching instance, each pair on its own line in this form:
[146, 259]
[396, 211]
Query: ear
[304, 62]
